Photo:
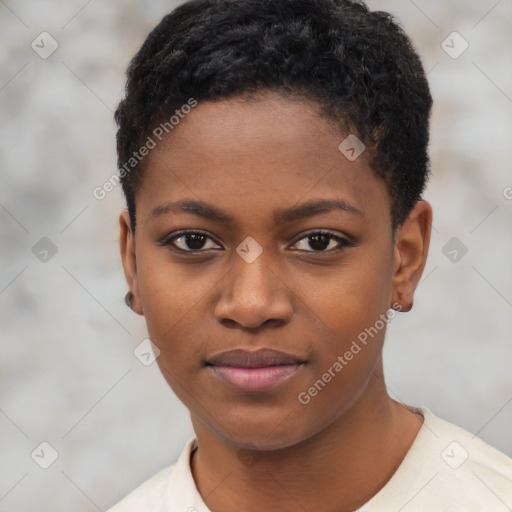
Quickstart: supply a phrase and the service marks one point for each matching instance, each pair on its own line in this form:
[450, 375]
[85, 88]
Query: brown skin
[250, 159]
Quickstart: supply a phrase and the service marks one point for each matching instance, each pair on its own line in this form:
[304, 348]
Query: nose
[253, 295]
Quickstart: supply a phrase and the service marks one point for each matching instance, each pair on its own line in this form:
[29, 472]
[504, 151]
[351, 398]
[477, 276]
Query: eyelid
[167, 240]
[343, 241]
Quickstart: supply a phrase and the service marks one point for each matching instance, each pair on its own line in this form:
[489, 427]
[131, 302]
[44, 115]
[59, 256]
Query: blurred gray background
[69, 376]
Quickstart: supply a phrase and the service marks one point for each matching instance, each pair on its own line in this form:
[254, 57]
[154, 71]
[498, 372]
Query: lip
[261, 358]
[254, 371]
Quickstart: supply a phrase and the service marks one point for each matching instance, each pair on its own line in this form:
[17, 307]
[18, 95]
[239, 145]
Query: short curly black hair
[357, 65]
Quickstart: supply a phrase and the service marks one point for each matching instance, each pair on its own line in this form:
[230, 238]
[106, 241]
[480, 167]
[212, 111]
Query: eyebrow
[300, 211]
[312, 208]
[198, 208]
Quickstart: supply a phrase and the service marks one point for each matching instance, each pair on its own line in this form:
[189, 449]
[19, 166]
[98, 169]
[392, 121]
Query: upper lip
[241, 358]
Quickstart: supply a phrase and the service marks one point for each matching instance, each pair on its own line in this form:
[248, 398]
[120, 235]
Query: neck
[338, 469]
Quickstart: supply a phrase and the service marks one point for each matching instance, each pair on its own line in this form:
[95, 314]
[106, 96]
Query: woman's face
[255, 233]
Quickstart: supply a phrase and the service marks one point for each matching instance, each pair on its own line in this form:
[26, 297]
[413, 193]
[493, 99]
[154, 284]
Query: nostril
[227, 322]
[232, 324]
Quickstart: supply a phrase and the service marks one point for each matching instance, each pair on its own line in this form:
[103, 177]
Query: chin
[265, 432]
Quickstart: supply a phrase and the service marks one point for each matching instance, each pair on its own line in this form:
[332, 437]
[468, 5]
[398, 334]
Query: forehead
[266, 151]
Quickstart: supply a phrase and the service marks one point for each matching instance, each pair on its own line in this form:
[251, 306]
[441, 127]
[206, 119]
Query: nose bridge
[253, 293]
[252, 278]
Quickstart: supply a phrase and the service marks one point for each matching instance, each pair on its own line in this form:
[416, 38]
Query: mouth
[254, 371]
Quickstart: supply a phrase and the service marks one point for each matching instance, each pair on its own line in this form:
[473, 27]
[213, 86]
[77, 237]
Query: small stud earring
[128, 299]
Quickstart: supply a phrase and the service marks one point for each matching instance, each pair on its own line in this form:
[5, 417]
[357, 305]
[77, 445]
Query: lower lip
[255, 380]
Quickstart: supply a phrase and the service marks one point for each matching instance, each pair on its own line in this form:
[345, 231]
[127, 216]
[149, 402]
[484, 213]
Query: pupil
[195, 240]
[319, 242]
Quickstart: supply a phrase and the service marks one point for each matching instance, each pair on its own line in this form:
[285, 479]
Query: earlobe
[412, 241]
[127, 249]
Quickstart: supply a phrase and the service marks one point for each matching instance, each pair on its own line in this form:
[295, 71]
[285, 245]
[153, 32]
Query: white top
[447, 469]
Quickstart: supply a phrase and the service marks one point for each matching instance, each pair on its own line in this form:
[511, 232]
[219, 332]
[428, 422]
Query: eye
[191, 241]
[322, 241]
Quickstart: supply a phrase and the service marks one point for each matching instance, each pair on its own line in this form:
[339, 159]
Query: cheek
[351, 298]
[170, 306]
[350, 318]
[171, 294]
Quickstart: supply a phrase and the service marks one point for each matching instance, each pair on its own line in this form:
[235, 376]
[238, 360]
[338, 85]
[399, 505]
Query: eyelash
[342, 242]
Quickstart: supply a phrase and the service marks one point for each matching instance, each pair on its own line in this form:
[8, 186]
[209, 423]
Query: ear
[127, 247]
[412, 240]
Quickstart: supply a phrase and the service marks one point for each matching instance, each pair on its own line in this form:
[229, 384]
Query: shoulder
[147, 496]
[171, 489]
[472, 475]
[462, 450]
[447, 469]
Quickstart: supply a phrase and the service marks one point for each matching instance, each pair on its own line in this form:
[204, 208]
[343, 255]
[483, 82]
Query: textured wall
[68, 373]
